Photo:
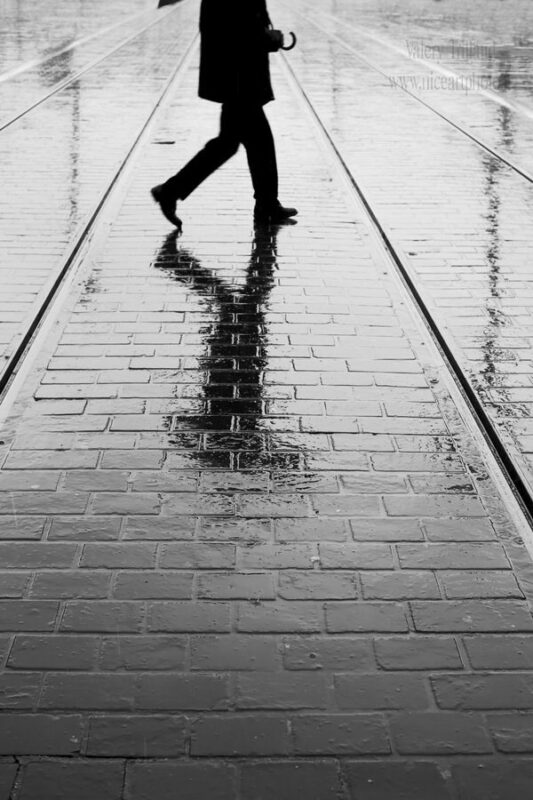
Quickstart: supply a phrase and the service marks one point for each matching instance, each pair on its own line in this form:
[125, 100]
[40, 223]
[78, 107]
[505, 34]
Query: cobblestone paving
[58, 161]
[249, 549]
[459, 217]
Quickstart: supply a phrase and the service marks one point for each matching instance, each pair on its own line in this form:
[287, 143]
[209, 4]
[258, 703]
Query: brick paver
[249, 548]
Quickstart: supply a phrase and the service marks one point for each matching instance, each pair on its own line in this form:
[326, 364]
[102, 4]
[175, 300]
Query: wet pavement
[58, 161]
[458, 215]
[27, 35]
[479, 78]
[250, 548]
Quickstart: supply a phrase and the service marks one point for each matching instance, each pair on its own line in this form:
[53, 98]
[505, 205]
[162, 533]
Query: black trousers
[240, 123]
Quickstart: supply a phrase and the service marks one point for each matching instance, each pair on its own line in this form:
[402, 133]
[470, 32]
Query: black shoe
[273, 214]
[167, 204]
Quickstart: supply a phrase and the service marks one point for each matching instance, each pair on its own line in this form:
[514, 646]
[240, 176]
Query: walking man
[236, 39]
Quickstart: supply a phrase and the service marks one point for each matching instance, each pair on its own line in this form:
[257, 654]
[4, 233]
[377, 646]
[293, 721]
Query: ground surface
[250, 547]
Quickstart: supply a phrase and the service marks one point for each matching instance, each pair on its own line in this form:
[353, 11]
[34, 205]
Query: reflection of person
[234, 70]
[235, 348]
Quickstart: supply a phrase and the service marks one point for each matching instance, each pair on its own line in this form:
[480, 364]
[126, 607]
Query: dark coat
[234, 56]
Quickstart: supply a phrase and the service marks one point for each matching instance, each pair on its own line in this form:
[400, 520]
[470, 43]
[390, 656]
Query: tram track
[45, 304]
[35, 63]
[512, 476]
[489, 94]
[492, 96]
[71, 79]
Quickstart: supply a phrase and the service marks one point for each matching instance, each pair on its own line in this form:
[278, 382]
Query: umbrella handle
[292, 44]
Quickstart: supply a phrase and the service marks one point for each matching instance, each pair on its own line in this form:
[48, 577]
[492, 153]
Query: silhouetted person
[236, 39]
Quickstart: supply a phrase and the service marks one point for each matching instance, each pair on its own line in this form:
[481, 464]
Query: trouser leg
[215, 153]
[256, 136]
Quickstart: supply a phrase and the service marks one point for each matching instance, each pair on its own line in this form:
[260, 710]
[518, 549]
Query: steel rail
[47, 294]
[73, 78]
[512, 473]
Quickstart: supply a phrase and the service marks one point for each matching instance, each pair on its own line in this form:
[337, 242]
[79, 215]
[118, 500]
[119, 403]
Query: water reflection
[502, 68]
[235, 342]
[498, 356]
[55, 69]
[491, 332]
[51, 73]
